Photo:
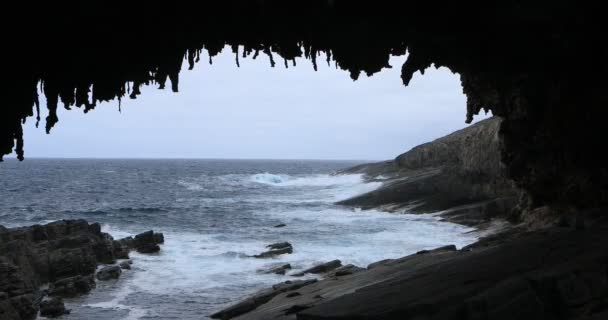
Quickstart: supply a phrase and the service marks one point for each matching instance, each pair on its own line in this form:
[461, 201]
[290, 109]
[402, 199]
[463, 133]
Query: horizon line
[184, 158]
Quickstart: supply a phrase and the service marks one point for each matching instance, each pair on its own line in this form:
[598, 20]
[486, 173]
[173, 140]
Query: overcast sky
[256, 111]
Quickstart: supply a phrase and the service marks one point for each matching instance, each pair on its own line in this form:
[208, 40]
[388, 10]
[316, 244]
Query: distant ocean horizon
[214, 213]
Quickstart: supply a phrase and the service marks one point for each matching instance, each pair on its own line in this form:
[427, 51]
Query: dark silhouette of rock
[279, 245]
[345, 270]
[126, 265]
[260, 298]
[276, 249]
[324, 267]
[280, 269]
[459, 174]
[72, 286]
[108, 273]
[280, 225]
[53, 308]
[556, 273]
[145, 242]
[64, 254]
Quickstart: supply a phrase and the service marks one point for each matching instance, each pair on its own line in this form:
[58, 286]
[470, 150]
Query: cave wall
[540, 65]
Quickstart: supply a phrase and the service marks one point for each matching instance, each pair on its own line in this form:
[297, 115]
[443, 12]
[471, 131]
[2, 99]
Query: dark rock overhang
[540, 65]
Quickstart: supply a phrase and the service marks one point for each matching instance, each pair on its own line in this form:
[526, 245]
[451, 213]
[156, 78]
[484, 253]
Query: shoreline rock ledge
[64, 254]
[554, 273]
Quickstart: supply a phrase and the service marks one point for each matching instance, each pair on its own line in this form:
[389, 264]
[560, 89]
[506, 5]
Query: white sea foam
[192, 186]
[337, 187]
[215, 266]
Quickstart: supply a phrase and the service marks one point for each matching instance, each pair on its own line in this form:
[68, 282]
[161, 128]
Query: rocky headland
[459, 175]
[541, 267]
[41, 264]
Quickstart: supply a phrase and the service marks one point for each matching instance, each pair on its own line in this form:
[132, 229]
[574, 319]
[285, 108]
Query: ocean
[214, 215]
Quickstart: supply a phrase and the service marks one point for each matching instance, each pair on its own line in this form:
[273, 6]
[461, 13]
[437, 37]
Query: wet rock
[293, 294]
[126, 265]
[145, 242]
[72, 286]
[66, 262]
[279, 245]
[379, 263]
[108, 273]
[53, 308]
[450, 247]
[276, 249]
[260, 298]
[24, 306]
[324, 267]
[281, 269]
[64, 254]
[121, 251]
[148, 248]
[346, 270]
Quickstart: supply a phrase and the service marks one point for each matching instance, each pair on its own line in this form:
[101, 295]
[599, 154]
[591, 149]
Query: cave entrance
[246, 109]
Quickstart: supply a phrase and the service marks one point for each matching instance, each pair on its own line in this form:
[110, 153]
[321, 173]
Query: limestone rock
[53, 308]
[324, 267]
[108, 273]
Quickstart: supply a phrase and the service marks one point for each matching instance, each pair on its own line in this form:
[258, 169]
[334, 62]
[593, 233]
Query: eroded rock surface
[556, 273]
[460, 173]
[53, 308]
[276, 249]
[65, 254]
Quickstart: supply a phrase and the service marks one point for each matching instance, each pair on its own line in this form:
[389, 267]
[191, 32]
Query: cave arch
[526, 62]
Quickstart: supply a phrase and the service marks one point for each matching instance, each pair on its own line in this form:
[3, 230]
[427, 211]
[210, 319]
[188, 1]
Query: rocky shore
[459, 175]
[519, 270]
[66, 256]
[555, 273]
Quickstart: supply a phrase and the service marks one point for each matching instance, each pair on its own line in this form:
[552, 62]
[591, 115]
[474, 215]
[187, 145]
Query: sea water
[214, 214]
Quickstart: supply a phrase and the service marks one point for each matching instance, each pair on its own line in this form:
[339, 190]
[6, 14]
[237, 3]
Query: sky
[258, 112]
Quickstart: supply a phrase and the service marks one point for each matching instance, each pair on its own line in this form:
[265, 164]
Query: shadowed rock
[126, 265]
[276, 249]
[64, 254]
[324, 267]
[280, 269]
[260, 298]
[72, 286]
[53, 308]
[460, 174]
[145, 242]
[556, 273]
[108, 273]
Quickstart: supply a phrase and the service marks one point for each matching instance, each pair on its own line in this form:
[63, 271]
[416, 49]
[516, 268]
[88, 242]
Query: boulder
[274, 253]
[126, 265]
[276, 249]
[280, 269]
[346, 270]
[53, 308]
[279, 245]
[72, 286]
[324, 267]
[121, 251]
[145, 242]
[148, 248]
[110, 272]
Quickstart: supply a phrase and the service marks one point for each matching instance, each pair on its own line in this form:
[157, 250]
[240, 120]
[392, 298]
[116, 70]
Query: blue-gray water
[213, 214]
